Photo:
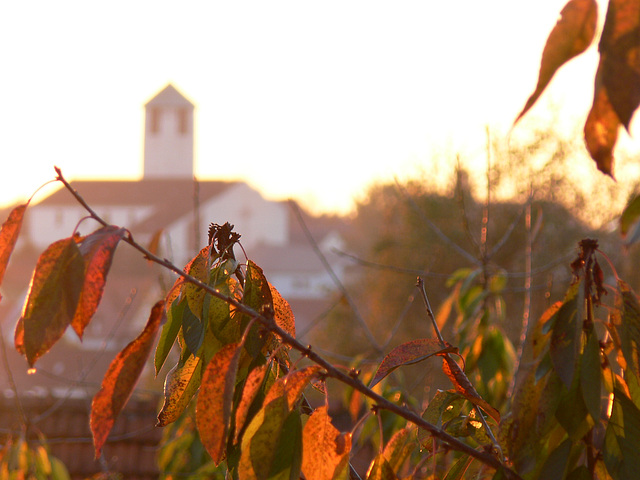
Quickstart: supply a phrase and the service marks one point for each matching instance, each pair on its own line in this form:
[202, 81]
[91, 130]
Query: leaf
[565, 340]
[183, 380]
[260, 440]
[9, 236]
[252, 385]
[629, 219]
[52, 300]
[213, 408]
[283, 313]
[193, 330]
[380, 469]
[169, 332]
[121, 378]
[627, 327]
[464, 386]
[590, 376]
[459, 468]
[570, 37]
[556, 463]
[97, 250]
[601, 127]
[620, 57]
[399, 448]
[292, 385]
[408, 354]
[622, 438]
[325, 451]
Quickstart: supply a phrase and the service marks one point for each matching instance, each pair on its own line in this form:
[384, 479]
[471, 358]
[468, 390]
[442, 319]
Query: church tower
[168, 136]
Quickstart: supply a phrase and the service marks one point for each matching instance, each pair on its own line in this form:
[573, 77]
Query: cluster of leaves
[617, 80]
[233, 332]
[20, 460]
[575, 410]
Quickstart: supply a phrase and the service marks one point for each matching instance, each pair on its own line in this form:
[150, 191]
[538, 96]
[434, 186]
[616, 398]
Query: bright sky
[311, 100]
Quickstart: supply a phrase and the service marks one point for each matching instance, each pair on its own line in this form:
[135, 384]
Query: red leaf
[121, 378]
[213, 409]
[9, 236]
[97, 250]
[464, 386]
[408, 354]
[620, 57]
[52, 299]
[570, 37]
[601, 127]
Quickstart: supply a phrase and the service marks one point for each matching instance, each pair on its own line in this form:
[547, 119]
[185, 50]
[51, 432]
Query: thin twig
[443, 344]
[331, 371]
[334, 277]
[439, 233]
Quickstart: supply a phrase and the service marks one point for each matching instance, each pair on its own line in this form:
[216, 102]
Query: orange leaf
[121, 378]
[213, 408]
[570, 37]
[464, 386]
[9, 236]
[292, 385]
[601, 127]
[52, 299]
[325, 451]
[620, 57]
[408, 354]
[97, 249]
[252, 385]
[283, 313]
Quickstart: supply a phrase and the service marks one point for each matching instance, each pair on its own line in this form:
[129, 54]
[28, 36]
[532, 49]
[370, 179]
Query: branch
[331, 371]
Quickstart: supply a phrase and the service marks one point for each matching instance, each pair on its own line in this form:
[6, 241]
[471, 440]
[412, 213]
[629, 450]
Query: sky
[305, 100]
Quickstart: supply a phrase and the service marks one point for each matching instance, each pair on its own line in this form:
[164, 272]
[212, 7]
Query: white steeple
[168, 137]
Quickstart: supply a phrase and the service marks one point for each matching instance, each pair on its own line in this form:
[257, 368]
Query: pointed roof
[169, 96]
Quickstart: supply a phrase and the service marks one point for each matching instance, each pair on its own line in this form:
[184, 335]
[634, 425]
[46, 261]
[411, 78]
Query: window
[183, 121]
[154, 119]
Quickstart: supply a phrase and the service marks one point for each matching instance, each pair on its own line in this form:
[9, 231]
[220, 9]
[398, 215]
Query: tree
[573, 411]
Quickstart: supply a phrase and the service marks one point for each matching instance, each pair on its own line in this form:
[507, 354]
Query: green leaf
[380, 469]
[572, 412]
[260, 440]
[565, 340]
[183, 380]
[622, 438]
[252, 386]
[556, 464]
[193, 330]
[52, 300]
[629, 218]
[169, 332]
[399, 448]
[408, 354]
[590, 376]
[628, 327]
[459, 468]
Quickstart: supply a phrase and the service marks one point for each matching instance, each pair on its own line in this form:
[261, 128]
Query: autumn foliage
[571, 412]
[617, 80]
